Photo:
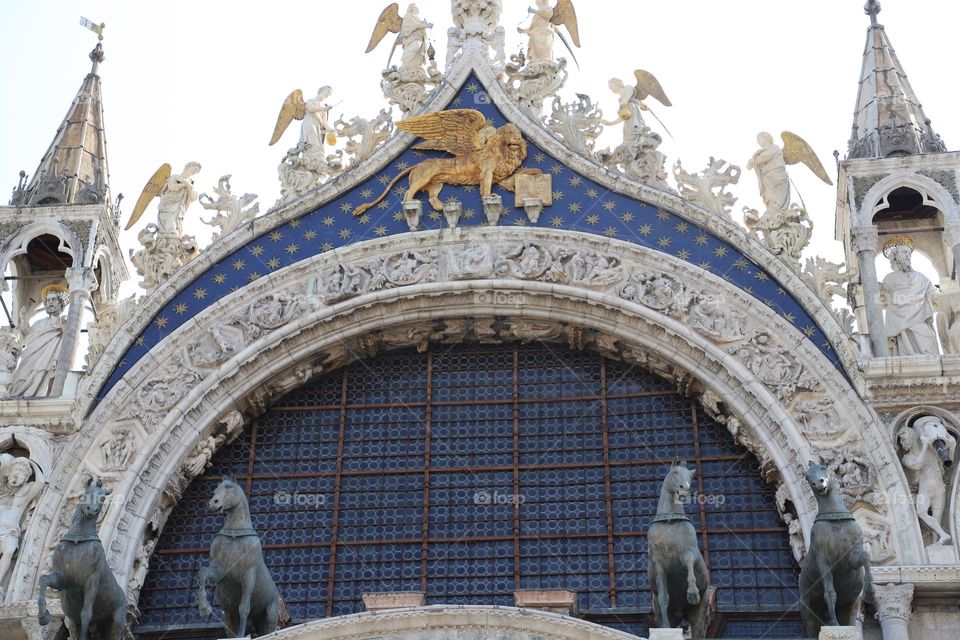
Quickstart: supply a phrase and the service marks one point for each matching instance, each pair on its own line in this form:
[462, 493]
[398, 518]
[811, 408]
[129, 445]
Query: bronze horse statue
[836, 569]
[249, 598]
[678, 574]
[94, 605]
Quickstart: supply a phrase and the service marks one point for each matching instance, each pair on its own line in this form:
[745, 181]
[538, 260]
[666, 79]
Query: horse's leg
[211, 573]
[829, 591]
[53, 580]
[90, 589]
[247, 586]
[662, 603]
[693, 591]
[270, 617]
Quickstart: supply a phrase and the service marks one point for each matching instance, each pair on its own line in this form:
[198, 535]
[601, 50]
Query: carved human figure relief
[21, 481]
[908, 297]
[41, 348]
[10, 347]
[928, 449]
[118, 449]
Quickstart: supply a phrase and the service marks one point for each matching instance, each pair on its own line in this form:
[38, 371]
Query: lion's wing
[455, 131]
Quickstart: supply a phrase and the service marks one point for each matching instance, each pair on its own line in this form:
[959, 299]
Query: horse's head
[678, 481]
[819, 477]
[91, 502]
[227, 496]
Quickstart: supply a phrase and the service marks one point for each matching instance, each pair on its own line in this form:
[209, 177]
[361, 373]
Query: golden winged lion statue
[482, 155]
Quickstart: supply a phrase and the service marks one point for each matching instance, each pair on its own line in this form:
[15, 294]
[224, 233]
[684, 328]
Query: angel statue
[165, 246]
[785, 226]
[632, 104]
[770, 162]
[407, 86]
[483, 156]
[544, 26]
[305, 164]
[411, 38]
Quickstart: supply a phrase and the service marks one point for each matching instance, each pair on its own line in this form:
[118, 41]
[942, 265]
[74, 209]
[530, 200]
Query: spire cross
[872, 8]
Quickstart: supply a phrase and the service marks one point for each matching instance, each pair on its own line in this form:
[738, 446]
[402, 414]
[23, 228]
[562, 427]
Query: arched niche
[951, 517]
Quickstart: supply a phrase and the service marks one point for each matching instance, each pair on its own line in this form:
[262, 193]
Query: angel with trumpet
[544, 25]
[632, 105]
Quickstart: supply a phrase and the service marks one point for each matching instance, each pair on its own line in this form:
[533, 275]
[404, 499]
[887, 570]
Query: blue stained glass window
[473, 471]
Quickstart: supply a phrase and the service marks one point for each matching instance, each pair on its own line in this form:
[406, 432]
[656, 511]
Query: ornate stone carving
[577, 123]
[775, 366]
[856, 477]
[232, 212]
[785, 233]
[708, 188]
[110, 315]
[531, 261]
[300, 171]
[827, 279]
[659, 291]
[364, 136]
[893, 601]
[821, 425]
[118, 449]
[865, 239]
[480, 20]
[530, 83]
[713, 316]
[398, 270]
[641, 161]
[10, 348]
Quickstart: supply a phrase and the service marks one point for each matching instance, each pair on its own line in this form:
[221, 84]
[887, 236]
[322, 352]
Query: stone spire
[888, 119]
[74, 168]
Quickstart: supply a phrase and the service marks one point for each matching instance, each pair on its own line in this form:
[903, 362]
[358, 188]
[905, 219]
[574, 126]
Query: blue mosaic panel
[473, 471]
[580, 204]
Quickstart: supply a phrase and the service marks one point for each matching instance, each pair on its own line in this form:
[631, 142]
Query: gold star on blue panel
[592, 208]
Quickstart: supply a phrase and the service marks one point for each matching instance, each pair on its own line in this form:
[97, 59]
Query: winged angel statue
[165, 246]
[406, 86]
[482, 155]
[544, 26]
[305, 164]
[785, 226]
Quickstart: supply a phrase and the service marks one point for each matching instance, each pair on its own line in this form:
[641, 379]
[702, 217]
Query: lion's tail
[363, 208]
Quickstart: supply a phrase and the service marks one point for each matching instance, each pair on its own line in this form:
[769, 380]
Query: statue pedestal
[666, 634]
[941, 554]
[838, 633]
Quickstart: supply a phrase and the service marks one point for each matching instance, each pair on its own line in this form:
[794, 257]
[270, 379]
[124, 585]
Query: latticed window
[473, 471]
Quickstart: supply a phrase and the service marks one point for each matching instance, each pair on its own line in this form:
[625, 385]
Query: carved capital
[951, 234]
[865, 240]
[81, 280]
[893, 601]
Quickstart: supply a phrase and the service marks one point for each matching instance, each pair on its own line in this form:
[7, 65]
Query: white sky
[204, 80]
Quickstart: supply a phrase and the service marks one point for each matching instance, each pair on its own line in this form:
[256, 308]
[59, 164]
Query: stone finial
[872, 8]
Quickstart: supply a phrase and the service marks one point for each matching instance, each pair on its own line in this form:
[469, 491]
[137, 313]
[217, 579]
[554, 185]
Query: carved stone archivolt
[490, 285]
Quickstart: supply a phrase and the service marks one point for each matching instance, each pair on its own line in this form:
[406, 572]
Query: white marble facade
[880, 422]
